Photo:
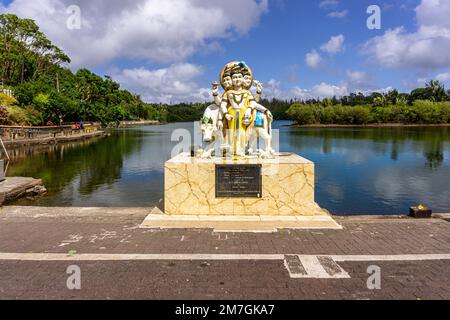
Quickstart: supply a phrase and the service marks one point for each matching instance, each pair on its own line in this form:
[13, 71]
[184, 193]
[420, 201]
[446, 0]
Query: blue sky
[172, 50]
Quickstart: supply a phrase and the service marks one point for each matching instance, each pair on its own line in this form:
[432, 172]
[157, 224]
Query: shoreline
[53, 140]
[127, 124]
[143, 211]
[381, 125]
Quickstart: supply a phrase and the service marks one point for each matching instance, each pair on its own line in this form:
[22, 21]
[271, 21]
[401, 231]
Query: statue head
[248, 80]
[236, 74]
[238, 78]
[227, 81]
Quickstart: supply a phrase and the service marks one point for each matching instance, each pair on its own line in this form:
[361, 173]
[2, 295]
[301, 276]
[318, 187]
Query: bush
[388, 114]
[329, 115]
[17, 116]
[305, 114]
[6, 100]
[3, 115]
[41, 101]
[421, 112]
[429, 112]
[34, 117]
[360, 115]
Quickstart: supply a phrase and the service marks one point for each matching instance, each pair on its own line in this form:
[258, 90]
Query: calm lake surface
[358, 171]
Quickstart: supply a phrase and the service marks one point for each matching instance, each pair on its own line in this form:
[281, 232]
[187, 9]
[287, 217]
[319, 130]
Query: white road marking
[298, 266]
[401, 257]
[313, 268]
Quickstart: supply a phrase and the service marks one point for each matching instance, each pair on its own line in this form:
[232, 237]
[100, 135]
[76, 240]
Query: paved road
[119, 260]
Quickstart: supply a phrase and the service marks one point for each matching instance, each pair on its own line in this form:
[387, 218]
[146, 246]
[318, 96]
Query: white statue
[237, 117]
[212, 125]
[261, 128]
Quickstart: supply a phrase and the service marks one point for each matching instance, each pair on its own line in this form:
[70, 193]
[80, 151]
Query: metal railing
[8, 92]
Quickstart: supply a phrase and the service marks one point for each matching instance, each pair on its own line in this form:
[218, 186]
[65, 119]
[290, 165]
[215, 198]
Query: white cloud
[334, 45]
[443, 77]
[273, 89]
[427, 48]
[318, 91]
[173, 84]
[313, 59]
[358, 77]
[324, 90]
[338, 14]
[328, 4]
[150, 30]
[422, 81]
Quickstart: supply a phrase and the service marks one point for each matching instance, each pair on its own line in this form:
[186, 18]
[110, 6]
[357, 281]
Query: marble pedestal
[287, 188]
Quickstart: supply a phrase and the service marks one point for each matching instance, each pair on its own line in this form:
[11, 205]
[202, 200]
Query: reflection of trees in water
[17, 153]
[434, 153]
[429, 141]
[95, 164]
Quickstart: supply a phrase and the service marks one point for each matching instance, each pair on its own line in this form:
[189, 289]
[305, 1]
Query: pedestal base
[287, 188]
[252, 224]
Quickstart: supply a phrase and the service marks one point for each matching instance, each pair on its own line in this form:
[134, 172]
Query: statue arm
[260, 108]
[217, 100]
[259, 89]
[257, 106]
[224, 108]
[215, 93]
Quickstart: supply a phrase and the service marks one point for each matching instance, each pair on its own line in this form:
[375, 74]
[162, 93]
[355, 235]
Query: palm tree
[435, 90]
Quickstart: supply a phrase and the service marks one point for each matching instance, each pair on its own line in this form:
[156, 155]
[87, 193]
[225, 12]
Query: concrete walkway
[119, 259]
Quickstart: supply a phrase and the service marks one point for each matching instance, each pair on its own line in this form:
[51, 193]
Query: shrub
[17, 116]
[3, 115]
[304, 114]
[429, 112]
[420, 112]
[328, 115]
[360, 114]
[6, 100]
[34, 117]
[41, 101]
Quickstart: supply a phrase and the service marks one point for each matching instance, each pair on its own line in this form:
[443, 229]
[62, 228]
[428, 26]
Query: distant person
[81, 125]
[50, 123]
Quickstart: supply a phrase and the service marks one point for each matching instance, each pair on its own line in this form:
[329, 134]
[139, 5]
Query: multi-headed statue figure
[237, 117]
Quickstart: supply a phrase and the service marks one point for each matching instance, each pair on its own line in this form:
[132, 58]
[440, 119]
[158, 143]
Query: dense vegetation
[44, 89]
[429, 105]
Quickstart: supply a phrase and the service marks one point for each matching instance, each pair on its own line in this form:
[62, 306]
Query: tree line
[427, 105]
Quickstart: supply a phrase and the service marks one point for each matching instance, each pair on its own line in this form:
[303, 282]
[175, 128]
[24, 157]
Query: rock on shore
[17, 187]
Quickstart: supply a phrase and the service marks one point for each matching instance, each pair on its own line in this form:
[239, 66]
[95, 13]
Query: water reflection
[376, 170]
[372, 170]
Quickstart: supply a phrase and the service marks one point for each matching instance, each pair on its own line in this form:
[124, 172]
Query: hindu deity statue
[238, 111]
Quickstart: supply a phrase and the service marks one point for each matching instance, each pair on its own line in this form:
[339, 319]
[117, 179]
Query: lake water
[358, 170]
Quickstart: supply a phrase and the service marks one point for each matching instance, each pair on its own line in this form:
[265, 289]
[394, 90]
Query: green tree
[25, 51]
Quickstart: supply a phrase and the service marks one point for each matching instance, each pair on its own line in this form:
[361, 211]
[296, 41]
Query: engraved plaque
[238, 181]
